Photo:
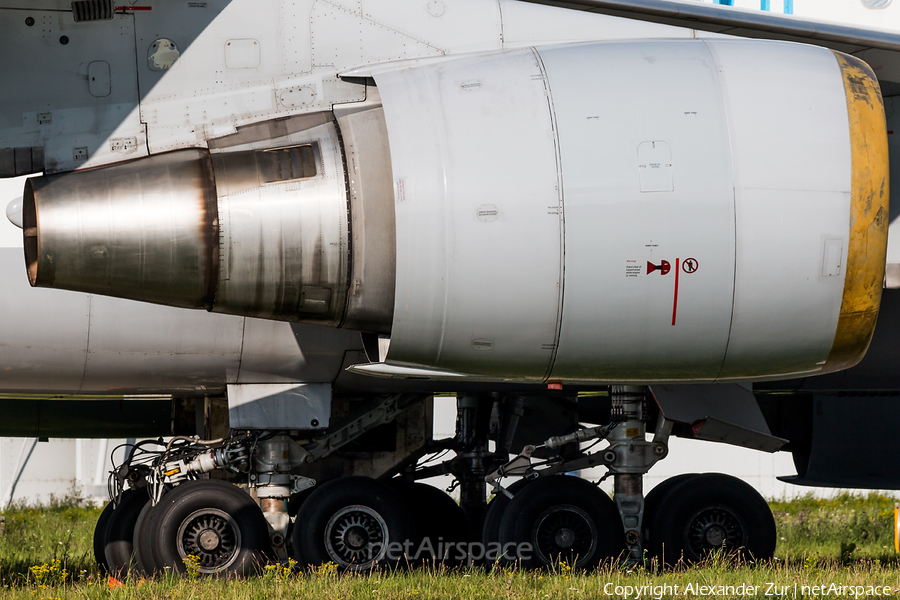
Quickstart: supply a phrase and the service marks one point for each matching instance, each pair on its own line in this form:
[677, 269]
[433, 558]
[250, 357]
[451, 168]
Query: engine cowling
[604, 212]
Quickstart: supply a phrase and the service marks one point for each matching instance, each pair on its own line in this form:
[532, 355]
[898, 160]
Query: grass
[844, 542]
[57, 535]
[845, 527]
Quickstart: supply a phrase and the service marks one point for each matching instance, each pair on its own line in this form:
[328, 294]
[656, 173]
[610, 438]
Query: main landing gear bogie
[686, 518]
[359, 523]
[544, 517]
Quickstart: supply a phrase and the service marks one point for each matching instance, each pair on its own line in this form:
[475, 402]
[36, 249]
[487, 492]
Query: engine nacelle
[685, 210]
[638, 211]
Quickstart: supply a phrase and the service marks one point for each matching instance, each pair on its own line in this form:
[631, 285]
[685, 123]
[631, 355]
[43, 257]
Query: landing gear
[699, 514]
[114, 532]
[210, 524]
[354, 522]
[561, 519]
[120, 531]
[627, 457]
[496, 509]
[172, 517]
[686, 517]
[440, 524]
[143, 543]
[100, 536]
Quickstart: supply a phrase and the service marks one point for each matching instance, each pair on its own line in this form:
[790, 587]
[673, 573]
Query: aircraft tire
[297, 500]
[710, 511]
[293, 507]
[100, 537]
[438, 521]
[212, 520]
[562, 518]
[142, 542]
[490, 532]
[653, 515]
[119, 549]
[355, 522]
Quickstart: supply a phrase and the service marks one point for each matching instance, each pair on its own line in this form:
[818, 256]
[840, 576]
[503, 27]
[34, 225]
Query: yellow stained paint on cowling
[868, 215]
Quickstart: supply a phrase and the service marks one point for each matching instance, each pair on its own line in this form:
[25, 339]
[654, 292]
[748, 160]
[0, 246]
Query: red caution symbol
[664, 267]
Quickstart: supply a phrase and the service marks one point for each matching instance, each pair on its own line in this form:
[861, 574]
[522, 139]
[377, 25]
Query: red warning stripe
[675, 301]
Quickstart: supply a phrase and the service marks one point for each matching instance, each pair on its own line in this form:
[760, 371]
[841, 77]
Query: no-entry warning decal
[690, 265]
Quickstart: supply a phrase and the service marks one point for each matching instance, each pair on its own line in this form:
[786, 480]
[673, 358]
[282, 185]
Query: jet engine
[676, 210]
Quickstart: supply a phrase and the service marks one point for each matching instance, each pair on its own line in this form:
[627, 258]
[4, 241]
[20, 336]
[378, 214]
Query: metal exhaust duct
[262, 232]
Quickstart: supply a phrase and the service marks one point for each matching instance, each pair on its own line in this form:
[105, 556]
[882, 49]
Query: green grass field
[843, 544]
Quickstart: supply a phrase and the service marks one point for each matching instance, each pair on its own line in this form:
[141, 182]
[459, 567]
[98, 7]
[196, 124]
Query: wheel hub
[210, 535]
[209, 540]
[565, 532]
[714, 528]
[565, 537]
[716, 535]
[356, 536]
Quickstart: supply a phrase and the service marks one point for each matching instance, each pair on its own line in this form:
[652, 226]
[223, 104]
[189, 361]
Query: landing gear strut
[472, 423]
[627, 457]
[633, 457]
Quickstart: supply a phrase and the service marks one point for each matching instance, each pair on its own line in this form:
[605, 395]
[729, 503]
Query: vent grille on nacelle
[92, 10]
